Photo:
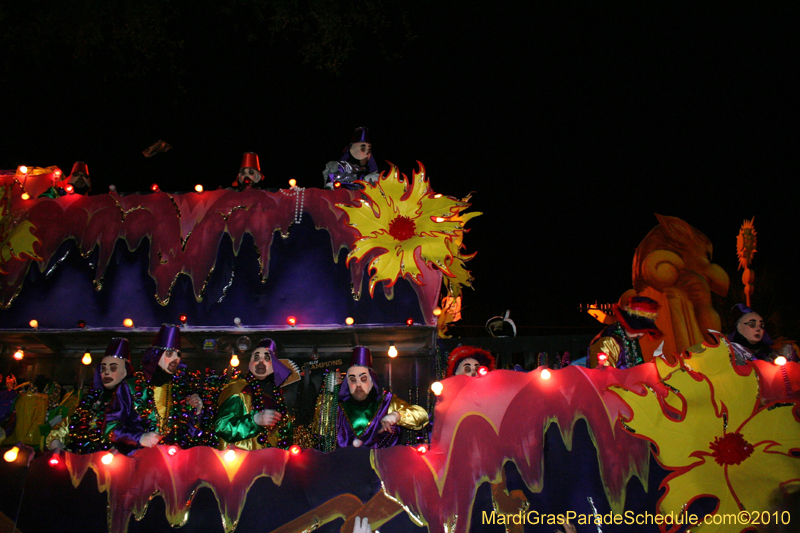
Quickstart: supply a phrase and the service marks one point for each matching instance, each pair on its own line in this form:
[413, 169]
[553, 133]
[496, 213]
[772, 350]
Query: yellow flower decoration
[718, 440]
[16, 237]
[410, 223]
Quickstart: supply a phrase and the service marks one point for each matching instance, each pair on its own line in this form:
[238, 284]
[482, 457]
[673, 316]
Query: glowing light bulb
[437, 311]
[392, 351]
[34, 323]
[439, 219]
[198, 188]
[294, 449]
[87, 359]
[292, 183]
[292, 321]
[234, 361]
[81, 323]
[237, 321]
[23, 169]
[70, 189]
[336, 184]
[602, 358]
[349, 321]
[409, 322]
[18, 355]
[437, 388]
[183, 319]
[57, 173]
[482, 371]
[230, 456]
[422, 449]
[437, 195]
[545, 374]
[172, 450]
[128, 323]
[112, 188]
[780, 360]
[154, 187]
[54, 460]
[11, 455]
[26, 196]
[107, 458]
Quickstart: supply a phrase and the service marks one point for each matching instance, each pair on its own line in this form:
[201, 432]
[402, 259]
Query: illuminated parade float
[687, 438]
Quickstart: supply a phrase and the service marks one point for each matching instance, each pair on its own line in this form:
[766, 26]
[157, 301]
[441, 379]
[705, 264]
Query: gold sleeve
[60, 432]
[411, 416]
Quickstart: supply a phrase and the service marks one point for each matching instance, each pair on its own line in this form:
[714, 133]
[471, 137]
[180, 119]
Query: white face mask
[468, 367]
[361, 151]
[112, 371]
[751, 327]
[260, 363]
[359, 381]
[249, 174]
[170, 359]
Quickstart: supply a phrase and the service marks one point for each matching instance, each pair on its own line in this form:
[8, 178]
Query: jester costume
[241, 400]
[156, 401]
[620, 341]
[359, 422]
[83, 432]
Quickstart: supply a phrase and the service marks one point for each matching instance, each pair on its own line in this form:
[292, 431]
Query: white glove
[389, 421]
[148, 440]
[362, 525]
[267, 417]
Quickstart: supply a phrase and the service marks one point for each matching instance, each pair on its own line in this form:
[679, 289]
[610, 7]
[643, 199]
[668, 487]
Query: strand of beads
[258, 404]
[299, 197]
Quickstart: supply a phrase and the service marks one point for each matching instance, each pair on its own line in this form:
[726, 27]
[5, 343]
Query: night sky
[572, 123]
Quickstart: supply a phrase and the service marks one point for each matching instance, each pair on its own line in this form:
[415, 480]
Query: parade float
[688, 441]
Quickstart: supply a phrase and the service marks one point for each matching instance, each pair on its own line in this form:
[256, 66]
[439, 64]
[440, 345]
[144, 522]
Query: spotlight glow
[198, 188]
[294, 449]
[292, 183]
[349, 321]
[482, 371]
[34, 323]
[107, 458]
[70, 189]
[545, 374]
[87, 359]
[54, 460]
[437, 388]
[292, 321]
[230, 456]
[437, 311]
[234, 361]
[172, 450]
[18, 355]
[128, 323]
[23, 169]
[392, 351]
[780, 360]
[422, 449]
[154, 187]
[26, 196]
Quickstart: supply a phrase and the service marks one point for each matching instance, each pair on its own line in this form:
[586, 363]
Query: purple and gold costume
[362, 419]
[155, 401]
